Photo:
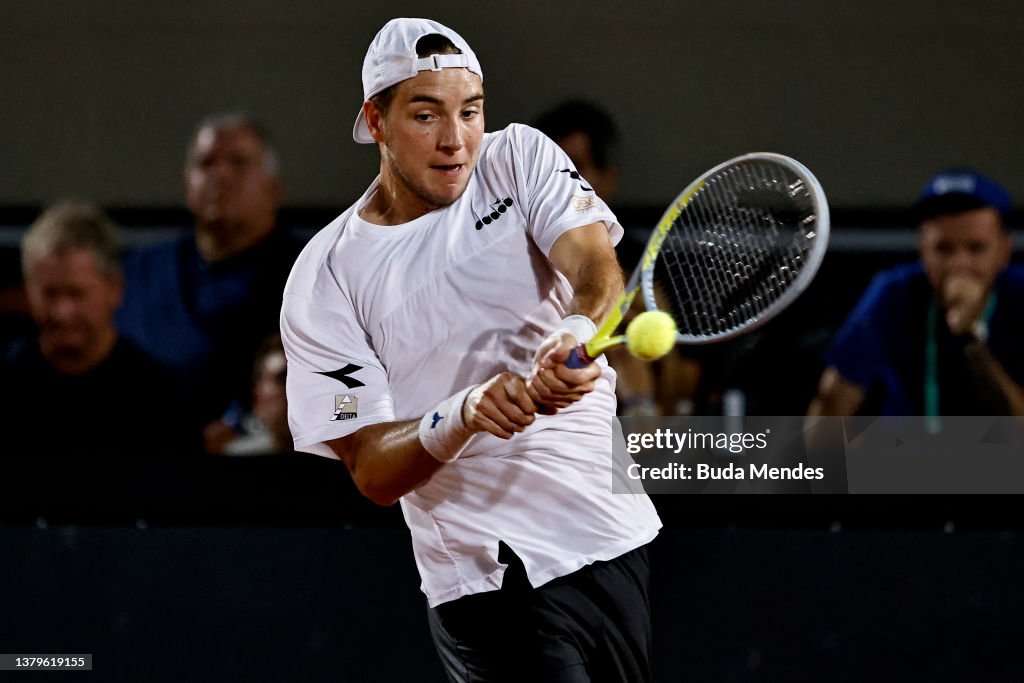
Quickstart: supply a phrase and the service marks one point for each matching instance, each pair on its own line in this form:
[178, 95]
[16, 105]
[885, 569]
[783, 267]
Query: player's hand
[963, 297]
[553, 385]
[500, 406]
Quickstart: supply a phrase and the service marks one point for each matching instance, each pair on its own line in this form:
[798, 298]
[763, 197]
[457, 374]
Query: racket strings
[735, 249]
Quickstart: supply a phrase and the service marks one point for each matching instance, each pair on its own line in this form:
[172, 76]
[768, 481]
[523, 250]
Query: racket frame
[642, 280]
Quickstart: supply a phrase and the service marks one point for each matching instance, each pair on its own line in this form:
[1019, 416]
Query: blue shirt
[881, 346]
[204, 320]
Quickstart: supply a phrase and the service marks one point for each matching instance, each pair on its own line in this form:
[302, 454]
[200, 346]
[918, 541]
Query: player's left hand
[553, 385]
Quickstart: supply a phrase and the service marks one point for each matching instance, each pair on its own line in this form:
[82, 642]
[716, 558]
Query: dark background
[872, 96]
[273, 569]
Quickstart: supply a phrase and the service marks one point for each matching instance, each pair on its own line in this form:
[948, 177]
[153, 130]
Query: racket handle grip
[578, 358]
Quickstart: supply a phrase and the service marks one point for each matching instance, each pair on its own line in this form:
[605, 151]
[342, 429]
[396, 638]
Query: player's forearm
[386, 460]
[390, 459]
[597, 285]
[586, 257]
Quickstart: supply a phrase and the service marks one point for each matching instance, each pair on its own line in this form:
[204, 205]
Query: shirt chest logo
[498, 208]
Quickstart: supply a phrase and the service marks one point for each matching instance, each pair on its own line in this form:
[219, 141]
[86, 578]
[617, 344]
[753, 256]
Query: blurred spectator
[941, 336]
[203, 303]
[79, 387]
[265, 429]
[590, 137]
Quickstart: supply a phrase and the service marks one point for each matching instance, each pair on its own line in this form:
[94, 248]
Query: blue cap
[961, 189]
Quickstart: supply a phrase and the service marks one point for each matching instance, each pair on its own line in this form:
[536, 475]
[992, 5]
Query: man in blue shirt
[942, 336]
[202, 304]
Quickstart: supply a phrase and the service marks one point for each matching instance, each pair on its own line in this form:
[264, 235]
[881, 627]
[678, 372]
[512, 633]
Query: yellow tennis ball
[651, 335]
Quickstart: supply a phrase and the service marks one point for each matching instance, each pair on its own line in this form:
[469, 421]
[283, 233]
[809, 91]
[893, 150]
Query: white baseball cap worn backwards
[392, 59]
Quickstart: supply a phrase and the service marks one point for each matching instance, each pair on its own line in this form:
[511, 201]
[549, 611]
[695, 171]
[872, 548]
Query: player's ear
[374, 120]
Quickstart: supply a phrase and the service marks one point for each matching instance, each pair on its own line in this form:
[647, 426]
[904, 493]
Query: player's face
[227, 180]
[73, 303]
[970, 243]
[430, 138]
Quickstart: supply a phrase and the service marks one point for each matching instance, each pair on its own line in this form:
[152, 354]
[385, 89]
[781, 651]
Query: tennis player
[426, 327]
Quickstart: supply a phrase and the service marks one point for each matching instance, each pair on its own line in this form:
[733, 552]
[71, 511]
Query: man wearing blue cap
[941, 336]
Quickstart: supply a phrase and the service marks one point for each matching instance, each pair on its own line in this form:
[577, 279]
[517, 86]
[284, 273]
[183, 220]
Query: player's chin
[446, 195]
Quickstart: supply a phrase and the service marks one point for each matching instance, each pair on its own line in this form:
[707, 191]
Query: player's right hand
[500, 406]
[552, 384]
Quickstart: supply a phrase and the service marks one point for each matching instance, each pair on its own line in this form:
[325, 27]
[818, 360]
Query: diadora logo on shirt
[346, 407]
[497, 208]
[342, 375]
[577, 177]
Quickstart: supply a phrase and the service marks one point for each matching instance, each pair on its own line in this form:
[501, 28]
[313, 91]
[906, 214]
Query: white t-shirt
[381, 323]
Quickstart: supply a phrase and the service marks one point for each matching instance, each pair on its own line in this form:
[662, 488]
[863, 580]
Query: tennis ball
[650, 335]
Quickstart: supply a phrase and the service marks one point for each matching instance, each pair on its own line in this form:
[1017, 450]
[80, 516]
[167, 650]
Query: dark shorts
[591, 625]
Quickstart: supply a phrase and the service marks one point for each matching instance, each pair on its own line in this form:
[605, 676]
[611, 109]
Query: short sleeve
[335, 382]
[555, 197]
[859, 351]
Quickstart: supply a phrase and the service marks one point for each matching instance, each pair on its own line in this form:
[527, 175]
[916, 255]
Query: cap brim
[360, 131]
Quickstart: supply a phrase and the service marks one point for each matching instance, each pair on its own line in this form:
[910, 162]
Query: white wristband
[443, 432]
[579, 326]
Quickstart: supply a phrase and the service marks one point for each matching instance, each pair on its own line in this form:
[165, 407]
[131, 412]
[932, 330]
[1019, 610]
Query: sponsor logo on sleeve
[346, 407]
[342, 375]
[575, 175]
[583, 203]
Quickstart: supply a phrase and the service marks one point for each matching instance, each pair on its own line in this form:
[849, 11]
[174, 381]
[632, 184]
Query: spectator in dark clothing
[79, 387]
[202, 304]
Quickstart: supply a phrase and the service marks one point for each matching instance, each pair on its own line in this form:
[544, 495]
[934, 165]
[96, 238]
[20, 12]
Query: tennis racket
[732, 251]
